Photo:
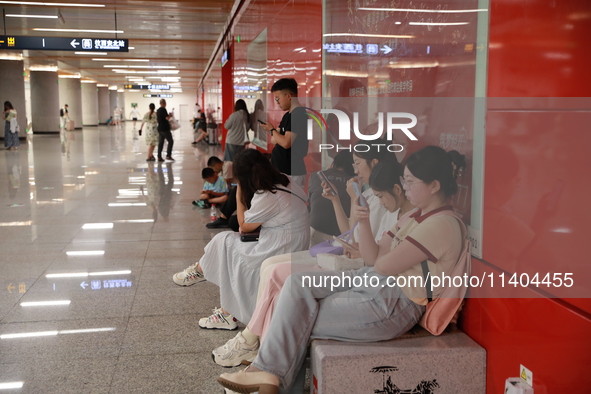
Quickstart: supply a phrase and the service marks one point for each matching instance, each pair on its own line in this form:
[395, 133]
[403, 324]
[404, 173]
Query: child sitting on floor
[223, 168]
[215, 189]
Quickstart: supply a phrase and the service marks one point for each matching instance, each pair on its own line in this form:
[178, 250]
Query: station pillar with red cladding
[227, 91]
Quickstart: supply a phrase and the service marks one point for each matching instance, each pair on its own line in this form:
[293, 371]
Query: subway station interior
[92, 228]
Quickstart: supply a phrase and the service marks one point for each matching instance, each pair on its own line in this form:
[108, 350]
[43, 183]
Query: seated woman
[380, 310]
[267, 199]
[323, 221]
[385, 183]
[244, 345]
[200, 129]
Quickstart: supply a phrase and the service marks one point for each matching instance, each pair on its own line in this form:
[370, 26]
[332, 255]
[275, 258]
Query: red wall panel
[535, 207]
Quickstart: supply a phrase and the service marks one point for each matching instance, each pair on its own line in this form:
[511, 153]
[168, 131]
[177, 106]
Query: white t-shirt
[380, 219]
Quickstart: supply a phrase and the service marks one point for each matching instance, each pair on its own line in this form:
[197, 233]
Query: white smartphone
[362, 200]
[324, 178]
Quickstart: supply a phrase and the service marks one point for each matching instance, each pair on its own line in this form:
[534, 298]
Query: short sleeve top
[219, 186]
[440, 238]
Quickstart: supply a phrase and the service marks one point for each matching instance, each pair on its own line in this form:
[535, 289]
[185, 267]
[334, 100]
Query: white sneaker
[218, 321]
[189, 276]
[235, 352]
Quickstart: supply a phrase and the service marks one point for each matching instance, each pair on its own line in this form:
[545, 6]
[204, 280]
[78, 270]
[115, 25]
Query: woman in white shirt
[134, 115]
[266, 199]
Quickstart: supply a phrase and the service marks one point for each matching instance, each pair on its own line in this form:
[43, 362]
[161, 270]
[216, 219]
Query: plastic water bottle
[213, 213]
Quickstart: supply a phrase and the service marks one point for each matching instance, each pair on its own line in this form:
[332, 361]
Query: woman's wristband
[272, 130]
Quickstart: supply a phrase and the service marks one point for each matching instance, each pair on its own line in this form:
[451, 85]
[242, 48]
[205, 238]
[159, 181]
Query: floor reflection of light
[46, 303]
[29, 334]
[125, 204]
[85, 252]
[55, 333]
[135, 221]
[9, 224]
[11, 385]
[92, 226]
[85, 274]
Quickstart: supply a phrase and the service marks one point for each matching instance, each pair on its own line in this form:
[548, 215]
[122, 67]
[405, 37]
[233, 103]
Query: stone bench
[417, 363]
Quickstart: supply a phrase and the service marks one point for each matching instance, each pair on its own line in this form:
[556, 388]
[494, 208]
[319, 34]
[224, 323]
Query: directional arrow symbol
[74, 43]
[480, 47]
[11, 287]
[386, 49]
[84, 285]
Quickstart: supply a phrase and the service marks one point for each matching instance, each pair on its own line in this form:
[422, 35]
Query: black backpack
[61, 112]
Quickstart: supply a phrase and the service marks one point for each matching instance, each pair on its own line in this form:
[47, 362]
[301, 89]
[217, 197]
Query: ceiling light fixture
[80, 30]
[366, 35]
[52, 4]
[31, 16]
[438, 23]
[43, 68]
[420, 10]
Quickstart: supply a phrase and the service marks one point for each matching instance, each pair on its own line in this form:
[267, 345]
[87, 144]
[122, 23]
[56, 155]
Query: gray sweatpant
[343, 313]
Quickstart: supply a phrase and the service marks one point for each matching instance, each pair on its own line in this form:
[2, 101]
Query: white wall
[187, 98]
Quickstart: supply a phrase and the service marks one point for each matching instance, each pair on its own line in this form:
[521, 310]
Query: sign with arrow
[64, 44]
[84, 285]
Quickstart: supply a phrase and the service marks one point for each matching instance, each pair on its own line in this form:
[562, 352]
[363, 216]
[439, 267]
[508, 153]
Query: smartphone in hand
[344, 243]
[357, 189]
[324, 178]
[261, 122]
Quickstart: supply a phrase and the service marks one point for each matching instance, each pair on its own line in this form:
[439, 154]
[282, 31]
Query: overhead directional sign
[149, 87]
[158, 95]
[64, 44]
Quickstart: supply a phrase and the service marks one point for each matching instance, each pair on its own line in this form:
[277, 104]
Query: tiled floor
[127, 328]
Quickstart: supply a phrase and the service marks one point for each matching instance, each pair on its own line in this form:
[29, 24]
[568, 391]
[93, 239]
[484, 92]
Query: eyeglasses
[407, 184]
[277, 98]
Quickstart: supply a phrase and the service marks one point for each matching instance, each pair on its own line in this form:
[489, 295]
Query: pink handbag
[446, 308]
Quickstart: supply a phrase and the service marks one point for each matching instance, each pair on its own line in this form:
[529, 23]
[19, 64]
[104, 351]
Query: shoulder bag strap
[427, 280]
[287, 191]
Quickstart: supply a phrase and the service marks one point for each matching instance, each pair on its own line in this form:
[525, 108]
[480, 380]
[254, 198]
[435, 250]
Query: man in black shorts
[164, 131]
[291, 144]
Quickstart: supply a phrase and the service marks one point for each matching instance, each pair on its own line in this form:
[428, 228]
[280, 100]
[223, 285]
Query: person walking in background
[236, 125]
[64, 117]
[134, 115]
[117, 116]
[151, 121]
[164, 131]
[11, 141]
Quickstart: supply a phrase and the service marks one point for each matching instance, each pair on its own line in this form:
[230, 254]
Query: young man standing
[164, 131]
[290, 136]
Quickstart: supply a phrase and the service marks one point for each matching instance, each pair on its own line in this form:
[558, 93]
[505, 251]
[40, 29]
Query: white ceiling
[182, 34]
